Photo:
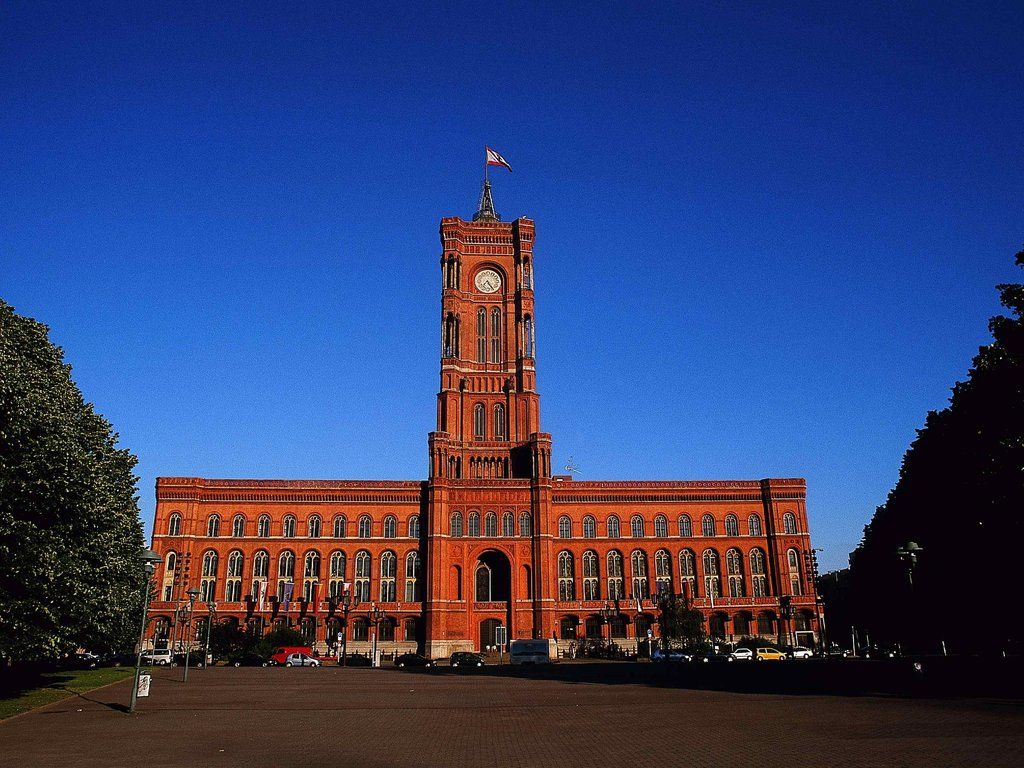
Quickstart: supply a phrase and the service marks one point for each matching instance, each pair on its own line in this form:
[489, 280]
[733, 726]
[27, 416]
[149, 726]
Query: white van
[530, 652]
[161, 657]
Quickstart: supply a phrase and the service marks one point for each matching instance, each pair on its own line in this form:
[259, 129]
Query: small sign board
[650, 633]
[144, 681]
[500, 636]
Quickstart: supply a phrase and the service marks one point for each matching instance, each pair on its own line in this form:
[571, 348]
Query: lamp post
[376, 615]
[149, 560]
[665, 600]
[347, 605]
[606, 616]
[192, 595]
[212, 608]
[908, 554]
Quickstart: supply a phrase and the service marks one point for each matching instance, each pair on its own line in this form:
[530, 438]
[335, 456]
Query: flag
[263, 595]
[288, 594]
[493, 158]
[638, 608]
[313, 590]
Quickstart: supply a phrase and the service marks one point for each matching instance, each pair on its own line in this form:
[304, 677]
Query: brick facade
[491, 537]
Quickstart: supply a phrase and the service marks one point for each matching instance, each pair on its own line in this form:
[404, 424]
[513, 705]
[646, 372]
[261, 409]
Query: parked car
[247, 659]
[358, 660]
[161, 657]
[743, 654]
[717, 656]
[799, 652]
[466, 659]
[769, 654]
[529, 652]
[672, 654]
[280, 656]
[878, 652]
[300, 660]
[413, 660]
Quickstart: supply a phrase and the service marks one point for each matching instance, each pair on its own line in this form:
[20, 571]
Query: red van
[279, 656]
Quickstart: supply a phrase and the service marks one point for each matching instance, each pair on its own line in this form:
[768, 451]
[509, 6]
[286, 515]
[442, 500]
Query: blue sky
[767, 236]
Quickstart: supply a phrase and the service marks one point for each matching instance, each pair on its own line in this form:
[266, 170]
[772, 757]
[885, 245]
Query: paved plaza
[563, 718]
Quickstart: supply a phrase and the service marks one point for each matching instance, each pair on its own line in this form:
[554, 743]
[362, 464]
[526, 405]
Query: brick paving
[334, 717]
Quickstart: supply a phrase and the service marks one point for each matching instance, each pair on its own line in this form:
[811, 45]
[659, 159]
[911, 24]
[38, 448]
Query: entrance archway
[492, 581]
[488, 633]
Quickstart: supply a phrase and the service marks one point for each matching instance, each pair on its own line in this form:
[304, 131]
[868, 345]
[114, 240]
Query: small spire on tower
[485, 211]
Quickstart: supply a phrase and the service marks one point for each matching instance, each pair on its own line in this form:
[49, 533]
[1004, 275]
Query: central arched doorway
[492, 595]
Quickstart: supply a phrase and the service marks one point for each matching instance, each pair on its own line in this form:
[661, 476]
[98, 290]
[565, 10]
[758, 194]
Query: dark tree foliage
[70, 536]
[960, 496]
[681, 624]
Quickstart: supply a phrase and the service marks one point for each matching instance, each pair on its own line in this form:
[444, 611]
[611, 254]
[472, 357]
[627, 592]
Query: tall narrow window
[663, 570]
[483, 583]
[615, 591]
[288, 529]
[285, 572]
[613, 527]
[707, 525]
[233, 585]
[564, 527]
[757, 575]
[525, 524]
[636, 527]
[591, 578]
[208, 585]
[499, 422]
[688, 573]
[388, 567]
[711, 577]
[340, 527]
[795, 583]
[413, 565]
[213, 526]
[754, 525]
[263, 526]
[481, 335]
[495, 335]
[310, 576]
[174, 525]
[734, 569]
[566, 577]
[362, 582]
[474, 524]
[589, 527]
[365, 527]
[479, 422]
[527, 275]
[732, 526]
[685, 527]
[414, 527]
[528, 336]
[390, 527]
[788, 523]
[261, 565]
[314, 526]
[456, 525]
[491, 525]
[638, 562]
[660, 527]
[238, 527]
[508, 524]
[337, 574]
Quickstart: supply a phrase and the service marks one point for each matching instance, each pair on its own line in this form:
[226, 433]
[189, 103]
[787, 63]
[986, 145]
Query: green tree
[70, 536]
[681, 624]
[959, 495]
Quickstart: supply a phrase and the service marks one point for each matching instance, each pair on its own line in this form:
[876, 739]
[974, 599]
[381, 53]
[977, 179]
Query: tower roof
[485, 211]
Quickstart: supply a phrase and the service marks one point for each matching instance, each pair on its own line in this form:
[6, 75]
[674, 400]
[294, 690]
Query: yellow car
[768, 654]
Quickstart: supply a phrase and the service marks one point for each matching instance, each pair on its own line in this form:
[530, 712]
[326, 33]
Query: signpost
[143, 689]
[500, 638]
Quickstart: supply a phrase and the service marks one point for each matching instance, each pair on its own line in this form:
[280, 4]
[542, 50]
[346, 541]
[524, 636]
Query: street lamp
[346, 605]
[665, 600]
[149, 560]
[192, 595]
[212, 608]
[908, 554]
[606, 616]
[376, 615]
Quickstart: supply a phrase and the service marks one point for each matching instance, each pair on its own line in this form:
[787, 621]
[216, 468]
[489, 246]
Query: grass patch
[54, 686]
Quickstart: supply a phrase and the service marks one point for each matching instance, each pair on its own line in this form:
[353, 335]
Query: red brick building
[491, 537]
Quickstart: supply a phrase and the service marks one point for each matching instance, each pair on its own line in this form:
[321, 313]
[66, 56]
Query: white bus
[530, 652]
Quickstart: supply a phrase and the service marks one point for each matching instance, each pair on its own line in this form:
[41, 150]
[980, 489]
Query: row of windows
[637, 526]
[451, 335]
[508, 524]
[311, 574]
[289, 526]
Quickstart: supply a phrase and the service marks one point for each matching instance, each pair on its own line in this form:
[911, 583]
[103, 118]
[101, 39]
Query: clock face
[487, 281]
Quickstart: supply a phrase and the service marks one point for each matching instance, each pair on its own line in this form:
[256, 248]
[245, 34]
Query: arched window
[495, 335]
[286, 565]
[238, 526]
[481, 335]
[263, 526]
[795, 582]
[564, 527]
[527, 275]
[362, 580]
[591, 578]
[732, 526]
[336, 585]
[754, 525]
[528, 336]
[615, 591]
[688, 573]
[213, 525]
[479, 422]
[638, 563]
[456, 524]
[589, 527]
[171, 562]
[233, 585]
[390, 527]
[636, 527]
[525, 524]
[474, 524]
[566, 577]
[483, 583]
[311, 567]
[707, 525]
[508, 524]
[413, 566]
[788, 523]
[450, 342]
[365, 527]
[388, 568]
[360, 630]
[340, 527]
[499, 422]
[491, 525]
[261, 565]
[313, 527]
[757, 574]
[414, 527]
[613, 527]
[289, 527]
[734, 569]
[685, 528]
[174, 525]
[711, 573]
[660, 527]
[663, 571]
[208, 584]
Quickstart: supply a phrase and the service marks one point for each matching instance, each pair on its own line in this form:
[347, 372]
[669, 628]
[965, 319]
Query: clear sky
[767, 236]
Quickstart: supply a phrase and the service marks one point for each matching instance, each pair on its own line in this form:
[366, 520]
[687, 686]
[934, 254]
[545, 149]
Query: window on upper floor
[564, 527]
[660, 527]
[479, 422]
[238, 526]
[589, 527]
[390, 527]
[414, 527]
[612, 526]
[340, 527]
[685, 527]
[789, 523]
[636, 527]
[313, 527]
[288, 527]
[499, 422]
[732, 526]
[174, 524]
[707, 525]
[365, 527]
[481, 335]
[263, 526]
[213, 525]
[495, 335]
[754, 525]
